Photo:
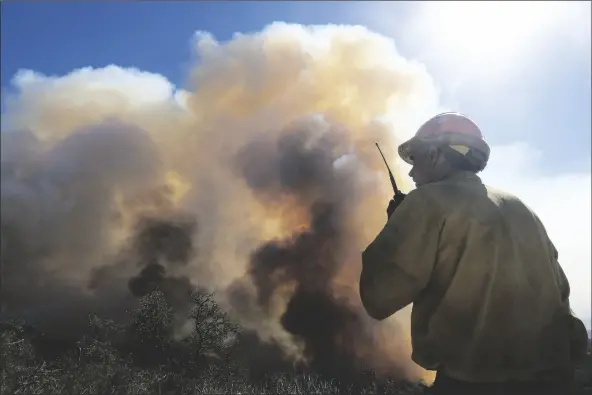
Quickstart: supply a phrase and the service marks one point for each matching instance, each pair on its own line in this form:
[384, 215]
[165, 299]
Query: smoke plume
[258, 181]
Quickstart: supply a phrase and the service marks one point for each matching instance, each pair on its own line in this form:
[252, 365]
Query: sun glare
[478, 34]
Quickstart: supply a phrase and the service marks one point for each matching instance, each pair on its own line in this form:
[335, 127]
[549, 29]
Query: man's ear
[432, 155]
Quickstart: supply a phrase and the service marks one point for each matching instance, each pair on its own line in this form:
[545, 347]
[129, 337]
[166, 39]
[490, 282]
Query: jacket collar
[463, 176]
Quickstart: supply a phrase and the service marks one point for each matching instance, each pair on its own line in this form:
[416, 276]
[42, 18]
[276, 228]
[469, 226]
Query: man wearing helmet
[490, 301]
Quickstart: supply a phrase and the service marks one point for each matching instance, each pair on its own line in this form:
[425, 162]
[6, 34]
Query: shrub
[145, 357]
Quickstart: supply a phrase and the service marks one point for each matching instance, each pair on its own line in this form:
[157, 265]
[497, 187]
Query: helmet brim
[404, 151]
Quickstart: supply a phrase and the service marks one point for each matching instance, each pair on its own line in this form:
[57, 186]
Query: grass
[142, 358]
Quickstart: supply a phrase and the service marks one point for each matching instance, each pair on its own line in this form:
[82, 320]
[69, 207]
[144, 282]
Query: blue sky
[522, 73]
[149, 35]
[55, 38]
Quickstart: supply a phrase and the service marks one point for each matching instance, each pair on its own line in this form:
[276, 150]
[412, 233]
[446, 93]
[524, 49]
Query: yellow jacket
[489, 296]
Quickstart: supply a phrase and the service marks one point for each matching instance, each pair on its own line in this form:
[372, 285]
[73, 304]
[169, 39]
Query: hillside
[143, 358]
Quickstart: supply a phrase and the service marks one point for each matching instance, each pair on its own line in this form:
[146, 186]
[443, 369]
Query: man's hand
[394, 203]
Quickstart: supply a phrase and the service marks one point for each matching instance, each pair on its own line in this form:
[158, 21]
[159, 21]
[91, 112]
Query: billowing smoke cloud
[260, 181]
[58, 207]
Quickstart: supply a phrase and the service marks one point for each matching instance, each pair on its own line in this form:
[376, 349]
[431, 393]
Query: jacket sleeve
[398, 264]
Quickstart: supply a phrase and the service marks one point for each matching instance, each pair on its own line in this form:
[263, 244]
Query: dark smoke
[57, 208]
[159, 240]
[304, 166]
[58, 212]
[161, 245]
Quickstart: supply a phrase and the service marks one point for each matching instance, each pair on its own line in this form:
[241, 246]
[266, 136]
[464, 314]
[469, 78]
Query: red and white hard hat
[452, 129]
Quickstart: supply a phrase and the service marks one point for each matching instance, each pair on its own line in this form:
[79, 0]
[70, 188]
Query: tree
[149, 336]
[213, 333]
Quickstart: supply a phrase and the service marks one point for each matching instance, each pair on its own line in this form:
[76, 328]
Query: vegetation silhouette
[212, 355]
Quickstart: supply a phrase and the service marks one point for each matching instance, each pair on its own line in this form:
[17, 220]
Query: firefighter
[491, 310]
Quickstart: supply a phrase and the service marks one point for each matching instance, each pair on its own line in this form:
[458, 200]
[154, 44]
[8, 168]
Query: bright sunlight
[477, 36]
